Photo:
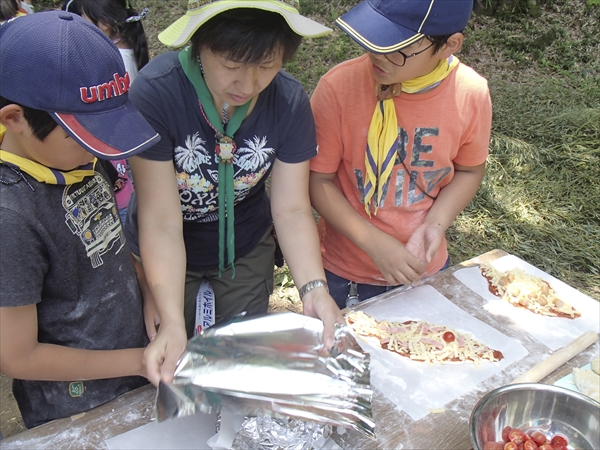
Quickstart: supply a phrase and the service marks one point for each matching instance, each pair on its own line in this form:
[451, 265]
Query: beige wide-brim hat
[199, 11]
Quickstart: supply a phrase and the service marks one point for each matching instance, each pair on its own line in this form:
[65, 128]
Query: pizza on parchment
[422, 341]
[524, 290]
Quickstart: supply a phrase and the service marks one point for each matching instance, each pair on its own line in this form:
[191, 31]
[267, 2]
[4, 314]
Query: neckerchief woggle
[225, 150]
[42, 173]
[382, 138]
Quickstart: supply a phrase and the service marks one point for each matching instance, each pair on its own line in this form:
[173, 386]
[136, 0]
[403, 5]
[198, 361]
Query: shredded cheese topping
[422, 341]
[522, 289]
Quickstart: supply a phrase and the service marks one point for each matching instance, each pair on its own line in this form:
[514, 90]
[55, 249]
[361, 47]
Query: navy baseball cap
[58, 62]
[386, 26]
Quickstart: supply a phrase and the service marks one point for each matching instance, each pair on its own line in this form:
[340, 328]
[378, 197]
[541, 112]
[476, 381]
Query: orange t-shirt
[448, 124]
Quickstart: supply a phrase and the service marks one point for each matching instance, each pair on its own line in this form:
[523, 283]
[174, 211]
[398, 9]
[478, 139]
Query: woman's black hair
[247, 35]
[114, 14]
[8, 9]
[40, 122]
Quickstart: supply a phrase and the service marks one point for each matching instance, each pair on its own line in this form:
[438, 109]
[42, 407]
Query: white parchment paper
[553, 332]
[191, 432]
[416, 387]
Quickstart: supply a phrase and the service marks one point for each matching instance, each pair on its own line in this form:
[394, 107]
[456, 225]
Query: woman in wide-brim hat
[228, 118]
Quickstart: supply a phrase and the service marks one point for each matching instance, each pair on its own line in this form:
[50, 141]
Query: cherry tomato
[491, 445]
[538, 437]
[559, 440]
[526, 438]
[516, 436]
[546, 447]
[505, 432]
[530, 445]
[449, 336]
[511, 446]
[559, 447]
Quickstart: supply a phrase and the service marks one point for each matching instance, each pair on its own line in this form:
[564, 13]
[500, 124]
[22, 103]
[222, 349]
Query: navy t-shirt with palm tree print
[280, 126]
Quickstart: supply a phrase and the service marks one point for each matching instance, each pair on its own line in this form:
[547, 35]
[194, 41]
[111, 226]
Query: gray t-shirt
[62, 248]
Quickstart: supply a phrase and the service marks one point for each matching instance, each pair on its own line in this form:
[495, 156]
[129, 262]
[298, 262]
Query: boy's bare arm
[455, 196]
[395, 262]
[23, 357]
[451, 200]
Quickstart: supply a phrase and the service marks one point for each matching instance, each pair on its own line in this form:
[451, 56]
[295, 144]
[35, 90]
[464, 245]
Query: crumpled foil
[268, 433]
[273, 364]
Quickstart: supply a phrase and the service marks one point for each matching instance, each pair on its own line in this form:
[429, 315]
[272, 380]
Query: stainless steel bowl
[534, 406]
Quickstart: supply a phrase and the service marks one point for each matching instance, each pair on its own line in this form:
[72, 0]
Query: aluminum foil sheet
[273, 364]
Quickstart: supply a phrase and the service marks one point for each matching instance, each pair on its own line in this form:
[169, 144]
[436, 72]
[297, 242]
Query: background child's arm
[451, 200]
[394, 261]
[23, 357]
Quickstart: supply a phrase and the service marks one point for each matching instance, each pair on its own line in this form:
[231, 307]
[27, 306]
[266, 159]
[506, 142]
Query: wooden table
[394, 429]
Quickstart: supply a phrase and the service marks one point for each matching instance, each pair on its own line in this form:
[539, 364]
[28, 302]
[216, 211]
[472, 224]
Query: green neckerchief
[225, 149]
[45, 174]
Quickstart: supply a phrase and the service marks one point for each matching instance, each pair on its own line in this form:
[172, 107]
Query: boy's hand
[319, 304]
[151, 317]
[425, 242]
[394, 261]
[163, 353]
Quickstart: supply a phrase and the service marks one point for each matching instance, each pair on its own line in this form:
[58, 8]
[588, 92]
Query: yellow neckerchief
[382, 138]
[42, 173]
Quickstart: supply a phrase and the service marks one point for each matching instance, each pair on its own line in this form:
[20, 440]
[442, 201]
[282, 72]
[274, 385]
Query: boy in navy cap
[403, 134]
[71, 326]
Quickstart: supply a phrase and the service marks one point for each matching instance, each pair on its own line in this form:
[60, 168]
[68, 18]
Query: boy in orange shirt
[403, 134]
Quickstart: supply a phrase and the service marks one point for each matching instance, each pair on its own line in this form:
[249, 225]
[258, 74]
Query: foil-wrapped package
[274, 364]
[267, 433]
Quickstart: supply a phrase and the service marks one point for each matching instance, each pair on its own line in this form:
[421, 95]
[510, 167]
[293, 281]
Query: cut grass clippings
[540, 198]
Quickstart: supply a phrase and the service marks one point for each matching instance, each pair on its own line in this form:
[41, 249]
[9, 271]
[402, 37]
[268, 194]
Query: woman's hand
[163, 353]
[319, 304]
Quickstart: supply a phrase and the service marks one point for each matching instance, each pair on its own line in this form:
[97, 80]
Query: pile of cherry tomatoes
[515, 439]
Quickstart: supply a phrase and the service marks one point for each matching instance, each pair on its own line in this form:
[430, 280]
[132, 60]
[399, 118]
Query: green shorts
[249, 291]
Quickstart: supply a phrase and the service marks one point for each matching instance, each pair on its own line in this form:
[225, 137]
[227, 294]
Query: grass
[540, 199]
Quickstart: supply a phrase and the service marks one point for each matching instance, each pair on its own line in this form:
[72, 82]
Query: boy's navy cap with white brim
[386, 26]
[60, 63]
[200, 11]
